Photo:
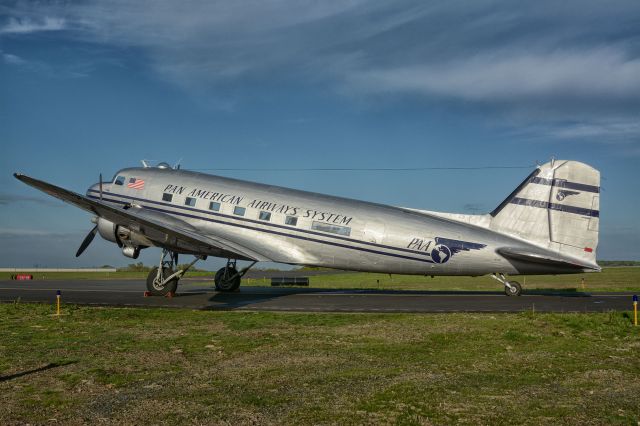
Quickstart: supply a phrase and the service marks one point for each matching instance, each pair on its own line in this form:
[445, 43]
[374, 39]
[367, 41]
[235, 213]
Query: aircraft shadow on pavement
[247, 296]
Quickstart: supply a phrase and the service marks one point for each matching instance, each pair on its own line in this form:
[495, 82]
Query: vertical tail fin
[557, 206]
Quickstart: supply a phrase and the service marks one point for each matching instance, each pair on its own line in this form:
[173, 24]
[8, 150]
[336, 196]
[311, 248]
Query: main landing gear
[228, 278]
[162, 280]
[511, 288]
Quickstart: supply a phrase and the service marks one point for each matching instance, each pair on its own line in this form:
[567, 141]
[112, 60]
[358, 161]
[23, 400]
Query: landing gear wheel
[513, 289]
[227, 279]
[155, 286]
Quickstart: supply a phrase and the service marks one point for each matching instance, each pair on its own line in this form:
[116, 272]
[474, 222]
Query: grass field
[120, 275]
[133, 366]
[610, 279]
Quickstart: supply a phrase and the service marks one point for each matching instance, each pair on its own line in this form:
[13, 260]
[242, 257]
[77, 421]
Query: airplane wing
[544, 258]
[143, 220]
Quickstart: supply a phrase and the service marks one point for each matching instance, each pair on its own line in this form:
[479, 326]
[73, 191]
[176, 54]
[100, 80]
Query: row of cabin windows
[266, 216]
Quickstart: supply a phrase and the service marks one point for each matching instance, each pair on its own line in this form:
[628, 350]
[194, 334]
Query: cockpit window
[119, 180]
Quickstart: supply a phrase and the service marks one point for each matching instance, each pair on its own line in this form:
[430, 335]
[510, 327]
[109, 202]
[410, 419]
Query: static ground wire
[354, 169]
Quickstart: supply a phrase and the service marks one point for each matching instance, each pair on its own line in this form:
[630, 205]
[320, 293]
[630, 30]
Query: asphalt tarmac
[193, 295]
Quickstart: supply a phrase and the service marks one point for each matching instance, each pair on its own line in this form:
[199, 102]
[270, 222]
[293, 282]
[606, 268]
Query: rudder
[556, 206]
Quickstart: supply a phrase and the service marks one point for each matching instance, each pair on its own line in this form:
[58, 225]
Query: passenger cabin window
[239, 211]
[334, 229]
[291, 220]
[214, 206]
[167, 197]
[190, 201]
[264, 216]
[119, 180]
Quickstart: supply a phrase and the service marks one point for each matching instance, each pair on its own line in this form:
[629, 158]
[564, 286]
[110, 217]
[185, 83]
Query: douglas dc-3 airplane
[547, 225]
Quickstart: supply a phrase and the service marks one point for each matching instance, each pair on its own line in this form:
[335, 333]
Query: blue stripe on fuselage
[285, 234]
[263, 223]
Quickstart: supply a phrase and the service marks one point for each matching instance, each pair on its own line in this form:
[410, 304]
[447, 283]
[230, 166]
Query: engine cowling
[108, 231]
[130, 242]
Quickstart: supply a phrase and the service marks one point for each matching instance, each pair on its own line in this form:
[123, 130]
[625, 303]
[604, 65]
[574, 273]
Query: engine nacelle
[107, 230]
[130, 242]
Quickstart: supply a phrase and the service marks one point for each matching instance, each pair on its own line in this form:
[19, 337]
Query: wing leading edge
[140, 219]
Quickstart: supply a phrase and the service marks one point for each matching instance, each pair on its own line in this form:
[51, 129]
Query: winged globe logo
[561, 195]
[441, 253]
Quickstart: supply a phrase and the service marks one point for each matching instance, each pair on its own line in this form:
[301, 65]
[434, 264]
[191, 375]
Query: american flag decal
[135, 183]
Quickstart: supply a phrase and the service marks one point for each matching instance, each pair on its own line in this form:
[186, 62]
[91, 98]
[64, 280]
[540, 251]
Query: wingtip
[17, 175]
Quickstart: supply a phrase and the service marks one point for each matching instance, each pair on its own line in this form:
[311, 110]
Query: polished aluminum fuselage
[381, 238]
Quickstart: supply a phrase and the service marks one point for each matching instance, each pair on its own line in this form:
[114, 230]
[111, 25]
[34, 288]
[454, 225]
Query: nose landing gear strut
[162, 280]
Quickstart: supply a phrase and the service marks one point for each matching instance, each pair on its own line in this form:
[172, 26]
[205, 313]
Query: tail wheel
[155, 286]
[513, 289]
[227, 279]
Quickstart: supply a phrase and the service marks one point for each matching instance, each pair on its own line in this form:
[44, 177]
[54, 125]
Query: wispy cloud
[594, 74]
[573, 62]
[9, 58]
[6, 199]
[7, 233]
[28, 25]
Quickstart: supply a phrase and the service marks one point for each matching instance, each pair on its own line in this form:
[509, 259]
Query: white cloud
[596, 74]
[604, 131]
[7, 233]
[6, 199]
[526, 64]
[11, 59]
[27, 25]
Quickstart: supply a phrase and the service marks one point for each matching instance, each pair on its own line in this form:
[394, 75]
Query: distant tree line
[619, 263]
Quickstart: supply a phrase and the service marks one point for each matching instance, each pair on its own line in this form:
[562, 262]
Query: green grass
[134, 366]
[119, 275]
[610, 279]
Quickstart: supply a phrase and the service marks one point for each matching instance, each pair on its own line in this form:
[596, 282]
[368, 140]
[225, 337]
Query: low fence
[286, 281]
[58, 270]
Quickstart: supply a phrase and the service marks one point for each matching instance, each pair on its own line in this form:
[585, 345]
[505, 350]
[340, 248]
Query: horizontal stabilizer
[545, 258]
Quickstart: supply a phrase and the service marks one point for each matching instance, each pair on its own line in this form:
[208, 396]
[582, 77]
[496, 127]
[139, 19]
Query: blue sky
[94, 86]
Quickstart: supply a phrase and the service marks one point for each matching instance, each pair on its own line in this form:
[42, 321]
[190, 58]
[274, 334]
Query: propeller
[87, 240]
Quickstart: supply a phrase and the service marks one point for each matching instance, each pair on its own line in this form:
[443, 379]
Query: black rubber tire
[169, 287]
[514, 290]
[227, 285]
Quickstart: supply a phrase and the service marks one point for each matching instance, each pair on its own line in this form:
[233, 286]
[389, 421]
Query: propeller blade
[87, 240]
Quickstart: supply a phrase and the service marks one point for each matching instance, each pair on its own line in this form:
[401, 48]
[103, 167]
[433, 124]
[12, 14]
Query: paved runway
[194, 295]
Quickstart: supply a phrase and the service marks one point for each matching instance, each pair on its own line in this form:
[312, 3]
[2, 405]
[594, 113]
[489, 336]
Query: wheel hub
[157, 284]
